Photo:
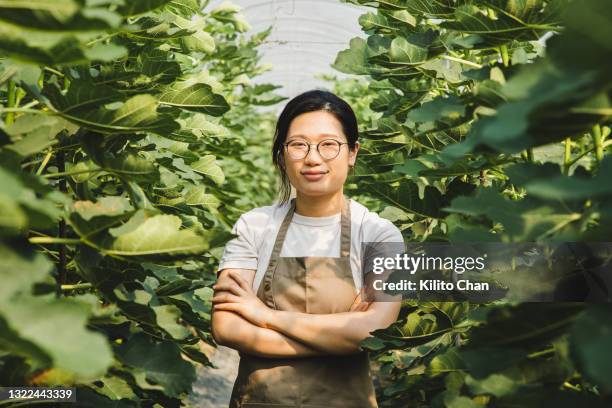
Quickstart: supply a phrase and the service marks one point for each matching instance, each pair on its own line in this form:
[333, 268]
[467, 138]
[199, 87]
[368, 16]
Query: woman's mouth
[314, 176]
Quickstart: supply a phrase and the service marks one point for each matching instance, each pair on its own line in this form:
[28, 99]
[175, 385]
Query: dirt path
[213, 387]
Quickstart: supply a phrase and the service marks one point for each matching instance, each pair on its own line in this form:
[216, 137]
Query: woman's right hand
[358, 305]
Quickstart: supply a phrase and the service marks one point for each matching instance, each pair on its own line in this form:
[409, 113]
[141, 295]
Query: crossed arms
[240, 320]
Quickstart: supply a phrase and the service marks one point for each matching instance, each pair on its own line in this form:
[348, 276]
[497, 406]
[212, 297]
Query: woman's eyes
[326, 143]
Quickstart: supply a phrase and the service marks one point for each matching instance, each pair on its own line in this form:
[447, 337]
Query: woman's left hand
[238, 296]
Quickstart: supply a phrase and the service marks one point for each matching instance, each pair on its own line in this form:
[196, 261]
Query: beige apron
[309, 285]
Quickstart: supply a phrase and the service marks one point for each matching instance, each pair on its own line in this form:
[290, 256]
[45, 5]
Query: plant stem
[541, 353]
[10, 116]
[30, 104]
[527, 155]
[503, 51]
[597, 141]
[41, 79]
[61, 166]
[571, 386]
[25, 110]
[77, 286]
[462, 61]
[70, 173]
[56, 72]
[54, 240]
[44, 163]
[567, 156]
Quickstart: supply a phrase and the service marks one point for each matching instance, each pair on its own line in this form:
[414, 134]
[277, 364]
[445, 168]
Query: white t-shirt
[306, 236]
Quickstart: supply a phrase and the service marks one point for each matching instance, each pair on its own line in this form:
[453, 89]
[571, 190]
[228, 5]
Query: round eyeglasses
[328, 148]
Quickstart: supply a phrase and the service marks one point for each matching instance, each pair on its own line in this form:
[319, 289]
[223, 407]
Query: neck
[319, 206]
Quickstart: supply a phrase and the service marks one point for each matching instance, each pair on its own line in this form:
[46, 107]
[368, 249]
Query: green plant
[483, 134]
[122, 170]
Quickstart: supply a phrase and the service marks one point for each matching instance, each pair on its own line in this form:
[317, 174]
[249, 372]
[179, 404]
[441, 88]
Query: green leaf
[447, 362]
[21, 266]
[406, 53]
[200, 41]
[132, 166]
[160, 362]
[207, 166]
[84, 105]
[31, 133]
[197, 98]
[523, 220]
[159, 235]
[547, 182]
[196, 195]
[104, 206]
[448, 109]
[528, 325]
[115, 388]
[167, 316]
[134, 7]
[73, 349]
[524, 20]
[590, 337]
[353, 60]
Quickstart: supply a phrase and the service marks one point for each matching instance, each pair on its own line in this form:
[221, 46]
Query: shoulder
[264, 215]
[374, 227]
[258, 221]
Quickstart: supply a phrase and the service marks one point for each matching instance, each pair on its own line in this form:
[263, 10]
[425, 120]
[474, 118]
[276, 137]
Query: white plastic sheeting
[305, 39]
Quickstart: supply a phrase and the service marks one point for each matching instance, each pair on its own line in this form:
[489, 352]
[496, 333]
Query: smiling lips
[314, 175]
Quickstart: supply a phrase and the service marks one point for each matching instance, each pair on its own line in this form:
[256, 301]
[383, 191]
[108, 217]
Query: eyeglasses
[328, 148]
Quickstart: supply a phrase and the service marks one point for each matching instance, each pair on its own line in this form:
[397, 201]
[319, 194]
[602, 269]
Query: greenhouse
[205, 203]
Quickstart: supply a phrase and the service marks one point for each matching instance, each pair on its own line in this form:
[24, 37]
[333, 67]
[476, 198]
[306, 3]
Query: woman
[284, 299]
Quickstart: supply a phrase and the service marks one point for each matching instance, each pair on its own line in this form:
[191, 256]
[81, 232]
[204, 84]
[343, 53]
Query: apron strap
[280, 236]
[278, 244]
[345, 229]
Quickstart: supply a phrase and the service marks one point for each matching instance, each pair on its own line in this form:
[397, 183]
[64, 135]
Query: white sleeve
[386, 231]
[241, 251]
[385, 239]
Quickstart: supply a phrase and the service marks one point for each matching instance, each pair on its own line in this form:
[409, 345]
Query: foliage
[123, 169]
[473, 131]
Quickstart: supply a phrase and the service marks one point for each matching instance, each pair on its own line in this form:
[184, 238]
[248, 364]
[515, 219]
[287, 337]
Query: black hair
[310, 101]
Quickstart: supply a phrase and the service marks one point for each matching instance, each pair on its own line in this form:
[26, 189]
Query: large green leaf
[161, 363]
[353, 60]
[208, 166]
[134, 7]
[73, 349]
[90, 106]
[32, 133]
[546, 181]
[159, 235]
[404, 52]
[590, 336]
[56, 16]
[64, 51]
[197, 98]
[520, 20]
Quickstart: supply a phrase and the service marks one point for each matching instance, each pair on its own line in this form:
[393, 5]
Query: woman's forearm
[232, 330]
[337, 333]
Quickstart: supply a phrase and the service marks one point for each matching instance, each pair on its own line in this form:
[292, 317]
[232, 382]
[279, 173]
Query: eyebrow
[321, 134]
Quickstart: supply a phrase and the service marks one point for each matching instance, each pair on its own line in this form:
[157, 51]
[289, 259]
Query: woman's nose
[313, 155]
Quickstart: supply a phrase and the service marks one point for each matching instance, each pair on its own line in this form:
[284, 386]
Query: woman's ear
[353, 154]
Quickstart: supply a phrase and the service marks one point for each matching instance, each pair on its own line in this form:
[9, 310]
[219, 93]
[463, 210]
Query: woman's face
[315, 175]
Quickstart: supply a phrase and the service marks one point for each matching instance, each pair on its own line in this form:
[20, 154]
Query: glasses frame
[286, 144]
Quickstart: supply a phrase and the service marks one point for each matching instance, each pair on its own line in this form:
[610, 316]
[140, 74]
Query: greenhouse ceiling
[306, 36]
